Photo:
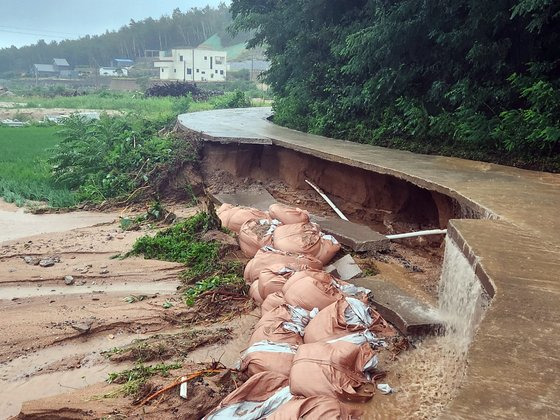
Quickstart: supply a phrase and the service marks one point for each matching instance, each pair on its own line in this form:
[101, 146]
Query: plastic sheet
[287, 214]
[315, 408]
[233, 217]
[268, 256]
[257, 398]
[334, 370]
[265, 356]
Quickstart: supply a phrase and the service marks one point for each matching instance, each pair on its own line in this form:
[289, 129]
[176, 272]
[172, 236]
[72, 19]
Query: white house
[195, 65]
[113, 71]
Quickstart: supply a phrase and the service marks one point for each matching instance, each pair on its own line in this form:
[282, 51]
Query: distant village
[208, 62]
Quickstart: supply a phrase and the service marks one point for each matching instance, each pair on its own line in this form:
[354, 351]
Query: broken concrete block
[260, 200]
[358, 237]
[345, 268]
[408, 314]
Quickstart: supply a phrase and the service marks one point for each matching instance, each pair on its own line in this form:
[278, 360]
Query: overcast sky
[24, 22]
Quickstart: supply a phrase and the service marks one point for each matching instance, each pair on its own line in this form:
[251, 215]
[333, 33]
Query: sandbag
[267, 356]
[329, 248]
[288, 214]
[315, 408]
[273, 278]
[309, 292]
[318, 275]
[299, 238]
[344, 316]
[272, 301]
[255, 399]
[254, 234]
[255, 294]
[334, 370]
[233, 217]
[268, 256]
[284, 324]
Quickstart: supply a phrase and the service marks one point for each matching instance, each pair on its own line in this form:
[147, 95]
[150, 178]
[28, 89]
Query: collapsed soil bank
[381, 201]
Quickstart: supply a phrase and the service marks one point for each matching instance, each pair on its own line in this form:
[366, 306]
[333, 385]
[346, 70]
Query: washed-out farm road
[514, 249]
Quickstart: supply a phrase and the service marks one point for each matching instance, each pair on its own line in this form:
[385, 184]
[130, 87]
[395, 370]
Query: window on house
[174, 70]
[206, 57]
[162, 70]
[212, 76]
[203, 72]
[221, 72]
[189, 71]
[220, 60]
[198, 70]
[180, 58]
[216, 71]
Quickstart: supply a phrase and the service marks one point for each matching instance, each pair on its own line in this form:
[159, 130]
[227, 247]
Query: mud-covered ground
[59, 318]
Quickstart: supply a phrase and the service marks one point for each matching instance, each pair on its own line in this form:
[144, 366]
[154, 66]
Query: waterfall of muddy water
[426, 378]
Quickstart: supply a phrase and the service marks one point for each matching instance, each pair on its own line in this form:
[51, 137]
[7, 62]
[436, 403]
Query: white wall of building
[112, 71]
[196, 65]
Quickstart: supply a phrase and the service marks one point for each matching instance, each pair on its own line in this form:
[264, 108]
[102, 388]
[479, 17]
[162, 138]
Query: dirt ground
[53, 333]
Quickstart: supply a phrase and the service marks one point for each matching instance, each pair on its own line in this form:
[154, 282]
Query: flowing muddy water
[15, 223]
[426, 378]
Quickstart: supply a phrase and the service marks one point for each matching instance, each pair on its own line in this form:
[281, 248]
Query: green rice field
[24, 171]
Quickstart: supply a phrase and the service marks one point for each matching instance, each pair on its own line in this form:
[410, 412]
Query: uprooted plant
[206, 269]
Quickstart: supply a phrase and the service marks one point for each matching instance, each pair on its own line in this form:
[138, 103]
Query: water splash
[428, 377]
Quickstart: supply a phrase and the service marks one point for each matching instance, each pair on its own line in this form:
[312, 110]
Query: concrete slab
[411, 316]
[344, 268]
[359, 238]
[257, 199]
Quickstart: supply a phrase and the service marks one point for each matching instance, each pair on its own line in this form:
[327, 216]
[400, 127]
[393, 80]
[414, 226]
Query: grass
[24, 171]
[133, 379]
[182, 243]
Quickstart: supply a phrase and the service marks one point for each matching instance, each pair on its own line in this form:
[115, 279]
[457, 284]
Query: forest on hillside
[469, 78]
[189, 28]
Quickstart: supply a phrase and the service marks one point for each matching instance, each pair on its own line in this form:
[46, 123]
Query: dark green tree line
[178, 29]
[466, 77]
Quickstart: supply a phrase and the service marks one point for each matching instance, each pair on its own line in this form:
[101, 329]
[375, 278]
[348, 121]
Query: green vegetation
[110, 157]
[133, 379]
[473, 78]
[24, 170]
[183, 243]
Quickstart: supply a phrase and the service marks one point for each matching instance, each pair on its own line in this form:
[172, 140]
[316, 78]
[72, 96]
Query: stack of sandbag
[272, 279]
[288, 215]
[233, 217]
[267, 356]
[335, 369]
[267, 257]
[315, 408]
[305, 238]
[345, 315]
[272, 301]
[256, 233]
[255, 399]
[284, 324]
[311, 289]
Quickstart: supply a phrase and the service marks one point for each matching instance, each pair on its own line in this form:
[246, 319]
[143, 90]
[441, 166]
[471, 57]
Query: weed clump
[183, 243]
[133, 379]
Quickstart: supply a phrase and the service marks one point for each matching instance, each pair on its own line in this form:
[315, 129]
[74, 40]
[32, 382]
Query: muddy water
[427, 378]
[21, 292]
[21, 379]
[15, 223]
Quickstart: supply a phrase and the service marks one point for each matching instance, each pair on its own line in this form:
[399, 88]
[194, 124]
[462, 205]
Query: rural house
[192, 64]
